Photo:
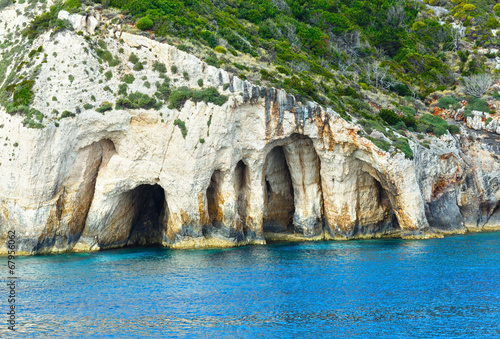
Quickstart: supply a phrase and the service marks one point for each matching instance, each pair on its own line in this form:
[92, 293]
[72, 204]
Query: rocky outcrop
[260, 167]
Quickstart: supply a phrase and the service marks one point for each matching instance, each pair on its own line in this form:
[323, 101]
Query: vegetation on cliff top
[372, 61]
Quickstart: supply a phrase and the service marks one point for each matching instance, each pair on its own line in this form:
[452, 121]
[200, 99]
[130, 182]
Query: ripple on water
[393, 288]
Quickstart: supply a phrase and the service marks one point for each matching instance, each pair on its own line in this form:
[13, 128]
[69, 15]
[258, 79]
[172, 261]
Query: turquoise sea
[447, 288]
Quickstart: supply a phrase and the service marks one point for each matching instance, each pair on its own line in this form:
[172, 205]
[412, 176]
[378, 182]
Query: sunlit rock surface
[260, 167]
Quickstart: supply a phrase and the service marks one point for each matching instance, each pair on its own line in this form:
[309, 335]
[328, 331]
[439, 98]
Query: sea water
[372, 288]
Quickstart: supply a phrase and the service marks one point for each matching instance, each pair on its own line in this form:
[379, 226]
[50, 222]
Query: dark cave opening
[279, 205]
[241, 188]
[375, 214]
[149, 211]
[214, 199]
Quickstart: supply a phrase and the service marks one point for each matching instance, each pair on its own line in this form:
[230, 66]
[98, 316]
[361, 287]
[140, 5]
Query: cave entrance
[215, 200]
[241, 189]
[149, 205]
[375, 215]
[279, 205]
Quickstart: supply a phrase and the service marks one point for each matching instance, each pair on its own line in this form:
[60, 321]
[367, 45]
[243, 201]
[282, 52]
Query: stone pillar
[304, 166]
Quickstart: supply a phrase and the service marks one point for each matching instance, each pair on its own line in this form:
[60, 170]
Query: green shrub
[433, 120]
[128, 78]
[108, 75]
[403, 145]
[200, 82]
[349, 91]
[182, 126]
[220, 49]
[133, 58]
[147, 84]
[209, 94]
[476, 104]
[382, 144]
[241, 67]
[401, 89]
[426, 144]
[464, 56]
[102, 44]
[407, 110]
[453, 129]
[144, 23]
[137, 100]
[122, 89]
[400, 125]
[432, 124]
[67, 114]
[202, 141]
[438, 130]
[212, 61]
[446, 102]
[282, 70]
[180, 95]
[88, 106]
[163, 90]
[174, 69]
[225, 86]
[389, 116]
[45, 21]
[185, 75]
[22, 92]
[138, 67]
[5, 3]
[107, 56]
[184, 48]
[159, 67]
[105, 106]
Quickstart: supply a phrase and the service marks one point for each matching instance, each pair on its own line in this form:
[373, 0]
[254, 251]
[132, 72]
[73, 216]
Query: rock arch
[374, 213]
[67, 218]
[359, 199]
[129, 216]
[293, 201]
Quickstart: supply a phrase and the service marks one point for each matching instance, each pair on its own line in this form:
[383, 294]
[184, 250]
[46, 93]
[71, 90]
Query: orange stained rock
[201, 209]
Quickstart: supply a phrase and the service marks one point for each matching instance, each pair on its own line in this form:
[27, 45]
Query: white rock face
[80, 22]
[259, 167]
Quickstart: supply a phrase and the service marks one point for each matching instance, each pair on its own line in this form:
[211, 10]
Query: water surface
[392, 288]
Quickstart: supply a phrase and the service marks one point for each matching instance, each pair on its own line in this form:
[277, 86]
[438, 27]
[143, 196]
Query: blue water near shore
[391, 288]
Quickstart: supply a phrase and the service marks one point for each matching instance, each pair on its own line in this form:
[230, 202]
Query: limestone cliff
[259, 167]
